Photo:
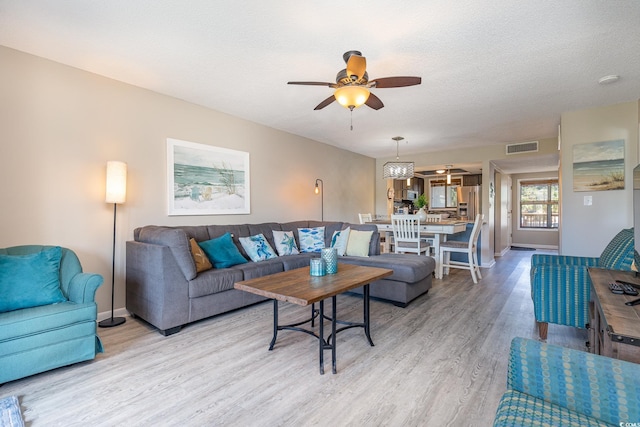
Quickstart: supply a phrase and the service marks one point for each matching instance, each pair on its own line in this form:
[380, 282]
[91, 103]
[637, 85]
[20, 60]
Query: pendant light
[398, 169]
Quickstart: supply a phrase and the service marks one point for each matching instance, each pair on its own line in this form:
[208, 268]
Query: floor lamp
[321, 192]
[116, 193]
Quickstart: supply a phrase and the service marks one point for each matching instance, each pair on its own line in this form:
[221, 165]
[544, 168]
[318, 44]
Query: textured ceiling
[492, 72]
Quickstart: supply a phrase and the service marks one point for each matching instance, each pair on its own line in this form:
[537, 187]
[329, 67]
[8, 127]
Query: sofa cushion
[311, 239]
[408, 268]
[214, 281]
[222, 252]
[257, 248]
[520, 409]
[35, 320]
[30, 280]
[618, 255]
[177, 241]
[285, 242]
[291, 262]
[259, 269]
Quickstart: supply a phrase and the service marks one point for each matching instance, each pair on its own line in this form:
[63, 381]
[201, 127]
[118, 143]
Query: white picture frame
[206, 180]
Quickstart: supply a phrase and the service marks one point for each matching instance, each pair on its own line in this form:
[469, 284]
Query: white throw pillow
[257, 247]
[358, 244]
[285, 242]
[339, 240]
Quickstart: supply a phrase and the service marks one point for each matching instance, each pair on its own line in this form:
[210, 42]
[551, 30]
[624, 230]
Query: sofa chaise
[164, 288]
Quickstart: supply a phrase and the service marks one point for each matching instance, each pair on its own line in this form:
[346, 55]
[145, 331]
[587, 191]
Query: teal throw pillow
[257, 248]
[222, 252]
[30, 280]
[311, 239]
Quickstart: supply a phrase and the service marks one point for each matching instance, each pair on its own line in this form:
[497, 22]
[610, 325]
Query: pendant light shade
[398, 169]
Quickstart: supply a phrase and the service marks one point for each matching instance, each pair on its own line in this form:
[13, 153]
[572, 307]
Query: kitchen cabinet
[471, 180]
[400, 188]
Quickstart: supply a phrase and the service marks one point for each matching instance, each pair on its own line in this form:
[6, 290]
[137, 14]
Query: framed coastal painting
[206, 180]
[598, 166]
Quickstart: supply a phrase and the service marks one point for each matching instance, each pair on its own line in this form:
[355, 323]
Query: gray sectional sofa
[164, 289]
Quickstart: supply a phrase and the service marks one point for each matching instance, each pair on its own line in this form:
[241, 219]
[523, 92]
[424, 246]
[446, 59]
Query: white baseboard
[502, 253]
[119, 312]
[488, 264]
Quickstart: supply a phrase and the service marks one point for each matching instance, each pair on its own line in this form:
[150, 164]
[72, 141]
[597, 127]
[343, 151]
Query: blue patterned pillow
[285, 242]
[257, 247]
[311, 239]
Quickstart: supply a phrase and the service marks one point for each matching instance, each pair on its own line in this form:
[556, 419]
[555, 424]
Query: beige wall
[586, 230]
[60, 125]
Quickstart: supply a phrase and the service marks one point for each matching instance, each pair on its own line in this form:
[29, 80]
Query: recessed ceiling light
[609, 79]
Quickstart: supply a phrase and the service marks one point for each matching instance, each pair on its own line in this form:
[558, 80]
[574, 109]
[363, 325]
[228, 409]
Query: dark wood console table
[614, 330]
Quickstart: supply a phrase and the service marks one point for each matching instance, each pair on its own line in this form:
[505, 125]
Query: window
[539, 204]
[444, 195]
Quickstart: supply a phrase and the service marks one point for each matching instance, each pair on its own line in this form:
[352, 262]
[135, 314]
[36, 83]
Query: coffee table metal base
[330, 342]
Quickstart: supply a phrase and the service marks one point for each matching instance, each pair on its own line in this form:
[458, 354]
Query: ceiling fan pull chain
[352, 119]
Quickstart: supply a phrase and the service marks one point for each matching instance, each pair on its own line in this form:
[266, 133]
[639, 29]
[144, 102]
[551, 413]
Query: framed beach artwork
[206, 180]
[598, 166]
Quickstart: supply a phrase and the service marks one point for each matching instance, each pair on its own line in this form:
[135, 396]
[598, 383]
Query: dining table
[440, 230]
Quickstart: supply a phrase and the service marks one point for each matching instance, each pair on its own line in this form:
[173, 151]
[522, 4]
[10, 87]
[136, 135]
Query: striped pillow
[618, 255]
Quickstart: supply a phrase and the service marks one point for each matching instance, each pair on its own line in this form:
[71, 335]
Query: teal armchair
[561, 287]
[548, 385]
[50, 325]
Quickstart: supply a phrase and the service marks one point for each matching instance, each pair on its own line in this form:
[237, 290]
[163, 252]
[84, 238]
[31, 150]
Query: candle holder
[330, 257]
[317, 267]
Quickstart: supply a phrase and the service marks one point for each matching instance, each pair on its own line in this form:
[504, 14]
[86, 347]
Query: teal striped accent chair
[548, 385]
[561, 287]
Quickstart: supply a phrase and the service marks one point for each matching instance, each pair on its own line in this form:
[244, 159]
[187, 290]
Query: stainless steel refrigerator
[469, 199]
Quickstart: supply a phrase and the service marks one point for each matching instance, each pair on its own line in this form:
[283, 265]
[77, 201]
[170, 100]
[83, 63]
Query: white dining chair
[406, 235]
[365, 217]
[431, 237]
[470, 248]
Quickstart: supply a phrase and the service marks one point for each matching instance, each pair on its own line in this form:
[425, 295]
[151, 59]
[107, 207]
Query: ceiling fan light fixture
[351, 96]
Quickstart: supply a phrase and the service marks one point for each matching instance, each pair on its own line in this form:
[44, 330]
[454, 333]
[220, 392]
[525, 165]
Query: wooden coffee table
[299, 287]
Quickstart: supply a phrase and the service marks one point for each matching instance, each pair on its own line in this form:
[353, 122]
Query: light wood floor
[442, 361]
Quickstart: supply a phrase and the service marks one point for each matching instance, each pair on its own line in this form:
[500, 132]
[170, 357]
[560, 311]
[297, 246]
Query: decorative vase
[330, 257]
[422, 215]
[316, 267]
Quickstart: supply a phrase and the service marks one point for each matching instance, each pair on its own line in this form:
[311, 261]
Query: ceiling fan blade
[312, 83]
[374, 102]
[326, 102]
[356, 66]
[400, 81]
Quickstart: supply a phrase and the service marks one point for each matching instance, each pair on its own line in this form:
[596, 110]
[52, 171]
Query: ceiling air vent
[522, 147]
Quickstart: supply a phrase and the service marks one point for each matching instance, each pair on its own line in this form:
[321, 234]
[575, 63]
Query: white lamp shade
[116, 182]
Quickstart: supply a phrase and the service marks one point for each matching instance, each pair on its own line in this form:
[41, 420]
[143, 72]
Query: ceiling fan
[352, 84]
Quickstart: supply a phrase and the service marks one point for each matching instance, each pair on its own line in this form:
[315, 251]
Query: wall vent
[522, 147]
